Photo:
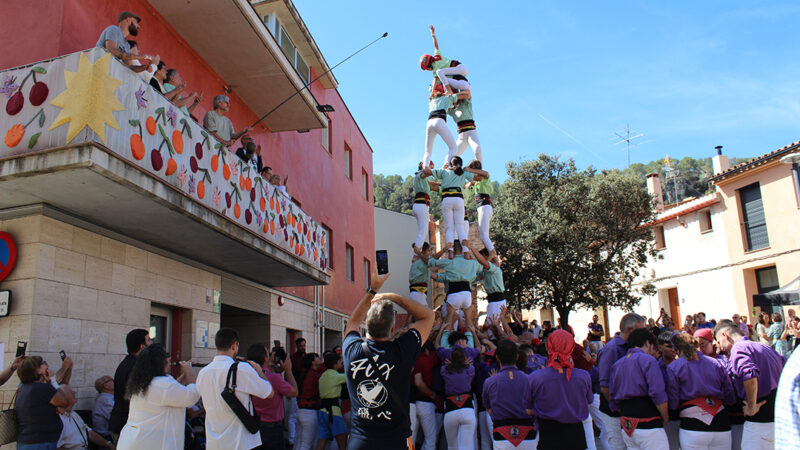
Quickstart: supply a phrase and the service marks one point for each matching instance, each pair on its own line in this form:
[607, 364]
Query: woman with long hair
[308, 402]
[775, 332]
[452, 179]
[157, 417]
[762, 329]
[459, 417]
[699, 387]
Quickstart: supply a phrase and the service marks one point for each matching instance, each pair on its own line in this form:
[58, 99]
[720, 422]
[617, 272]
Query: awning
[787, 295]
[230, 36]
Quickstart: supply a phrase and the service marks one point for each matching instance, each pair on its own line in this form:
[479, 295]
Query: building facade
[128, 214]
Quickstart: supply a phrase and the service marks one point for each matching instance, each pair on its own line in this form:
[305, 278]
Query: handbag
[8, 422]
[251, 422]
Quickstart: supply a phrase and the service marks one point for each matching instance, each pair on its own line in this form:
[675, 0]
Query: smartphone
[382, 259]
[276, 344]
[21, 347]
[62, 354]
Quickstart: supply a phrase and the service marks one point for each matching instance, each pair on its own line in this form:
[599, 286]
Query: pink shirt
[271, 409]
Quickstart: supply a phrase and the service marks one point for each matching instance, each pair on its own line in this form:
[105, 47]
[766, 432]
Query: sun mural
[88, 99]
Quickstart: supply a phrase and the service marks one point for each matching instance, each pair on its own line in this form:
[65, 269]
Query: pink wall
[42, 29]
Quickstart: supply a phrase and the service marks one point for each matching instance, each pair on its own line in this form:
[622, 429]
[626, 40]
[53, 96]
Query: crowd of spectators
[118, 40]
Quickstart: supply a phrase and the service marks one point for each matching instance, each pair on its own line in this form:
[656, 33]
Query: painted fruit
[137, 147]
[248, 216]
[198, 150]
[15, 104]
[263, 204]
[156, 160]
[281, 222]
[272, 226]
[266, 227]
[252, 196]
[14, 135]
[226, 171]
[249, 183]
[214, 163]
[177, 141]
[285, 235]
[228, 199]
[150, 124]
[193, 164]
[172, 166]
[272, 203]
[201, 189]
[305, 228]
[237, 210]
[38, 93]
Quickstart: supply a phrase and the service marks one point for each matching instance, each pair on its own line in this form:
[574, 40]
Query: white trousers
[493, 309]
[459, 427]
[486, 427]
[736, 437]
[445, 74]
[758, 436]
[594, 412]
[469, 137]
[453, 214]
[460, 300]
[702, 440]
[306, 438]
[425, 418]
[524, 445]
[588, 433]
[652, 439]
[485, 213]
[613, 431]
[671, 428]
[422, 214]
[292, 419]
[418, 297]
[412, 416]
[433, 127]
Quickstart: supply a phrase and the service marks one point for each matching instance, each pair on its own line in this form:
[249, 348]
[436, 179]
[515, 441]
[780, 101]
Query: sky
[563, 77]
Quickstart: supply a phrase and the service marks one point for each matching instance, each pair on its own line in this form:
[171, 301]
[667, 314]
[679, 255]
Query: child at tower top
[450, 72]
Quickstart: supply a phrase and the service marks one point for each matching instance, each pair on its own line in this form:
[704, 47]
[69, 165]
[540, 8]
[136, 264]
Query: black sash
[642, 408]
[438, 114]
[483, 199]
[561, 436]
[767, 412]
[492, 297]
[452, 192]
[457, 286]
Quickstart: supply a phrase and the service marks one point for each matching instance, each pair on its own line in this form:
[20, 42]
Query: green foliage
[572, 239]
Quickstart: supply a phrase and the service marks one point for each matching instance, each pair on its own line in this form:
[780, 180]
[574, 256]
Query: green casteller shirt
[421, 184]
[444, 102]
[418, 272]
[482, 187]
[493, 279]
[450, 179]
[458, 268]
[330, 386]
[442, 63]
[462, 110]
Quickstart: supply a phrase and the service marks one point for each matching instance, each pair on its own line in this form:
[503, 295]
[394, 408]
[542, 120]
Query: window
[705, 221]
[348, 161]
[364, 184]
[367, 274]
[325, 138]
[658, 232]
[329, 244]
[348, 256]
[767, 279]
[754, 223]
[290, 50]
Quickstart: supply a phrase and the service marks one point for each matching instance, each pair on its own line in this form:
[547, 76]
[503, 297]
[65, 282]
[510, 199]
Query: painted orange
[201, 189]
[14, 135]
[177, 141]
[150, 124]
[172, 166]
[137, 147]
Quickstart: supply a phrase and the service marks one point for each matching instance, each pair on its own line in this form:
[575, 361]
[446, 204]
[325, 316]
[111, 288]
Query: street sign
[8, 254]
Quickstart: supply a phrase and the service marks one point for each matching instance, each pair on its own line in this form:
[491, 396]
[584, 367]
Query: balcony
[86, 136]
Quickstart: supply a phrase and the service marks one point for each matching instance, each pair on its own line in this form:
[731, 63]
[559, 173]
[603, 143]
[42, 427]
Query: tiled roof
[686, 208]
[755, 162]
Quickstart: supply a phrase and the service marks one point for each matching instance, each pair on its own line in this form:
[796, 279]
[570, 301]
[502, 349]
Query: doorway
[675, 307]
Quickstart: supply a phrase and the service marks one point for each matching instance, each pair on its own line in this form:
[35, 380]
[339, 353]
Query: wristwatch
[371, 292]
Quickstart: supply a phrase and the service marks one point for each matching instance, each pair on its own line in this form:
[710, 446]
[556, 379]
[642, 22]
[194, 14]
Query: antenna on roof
[628, 137]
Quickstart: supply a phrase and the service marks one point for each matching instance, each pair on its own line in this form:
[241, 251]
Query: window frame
[747, 238]
[659, 238]
[329, 244]
[704, 218]
[349, 263]
[367, 273]
[348, 162]
[364, 184]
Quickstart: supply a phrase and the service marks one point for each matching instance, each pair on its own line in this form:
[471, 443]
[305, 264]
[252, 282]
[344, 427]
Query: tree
[572, 239]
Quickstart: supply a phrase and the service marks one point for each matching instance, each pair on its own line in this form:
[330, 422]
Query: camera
[278, 352]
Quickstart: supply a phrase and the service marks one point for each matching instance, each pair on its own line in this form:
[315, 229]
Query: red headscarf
[559, 348]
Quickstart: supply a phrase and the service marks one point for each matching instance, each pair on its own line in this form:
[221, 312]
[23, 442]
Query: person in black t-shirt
[380, 413]
[135, 341]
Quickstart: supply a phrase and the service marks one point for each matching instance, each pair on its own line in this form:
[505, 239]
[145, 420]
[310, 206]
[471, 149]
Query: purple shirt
[609, 354]
[636, 375]
[470, 352]
[271, 409]
[597, 328]
[559, 399]
[751, 359]
[507, 394]
[536, 362]
[691, 379]
[457, 382]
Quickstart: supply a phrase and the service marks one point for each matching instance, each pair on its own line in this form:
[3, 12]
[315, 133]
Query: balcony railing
[90, 97]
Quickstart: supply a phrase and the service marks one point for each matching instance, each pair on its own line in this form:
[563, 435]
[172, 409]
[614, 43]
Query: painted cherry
[15, 103]
[228, 199]
[253, 195]
[248, 216]
[198, 150]
[193, 164]
[156, 160]
[38, 93]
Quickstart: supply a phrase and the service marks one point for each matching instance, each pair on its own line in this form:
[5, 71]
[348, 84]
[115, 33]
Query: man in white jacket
[224, 431]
